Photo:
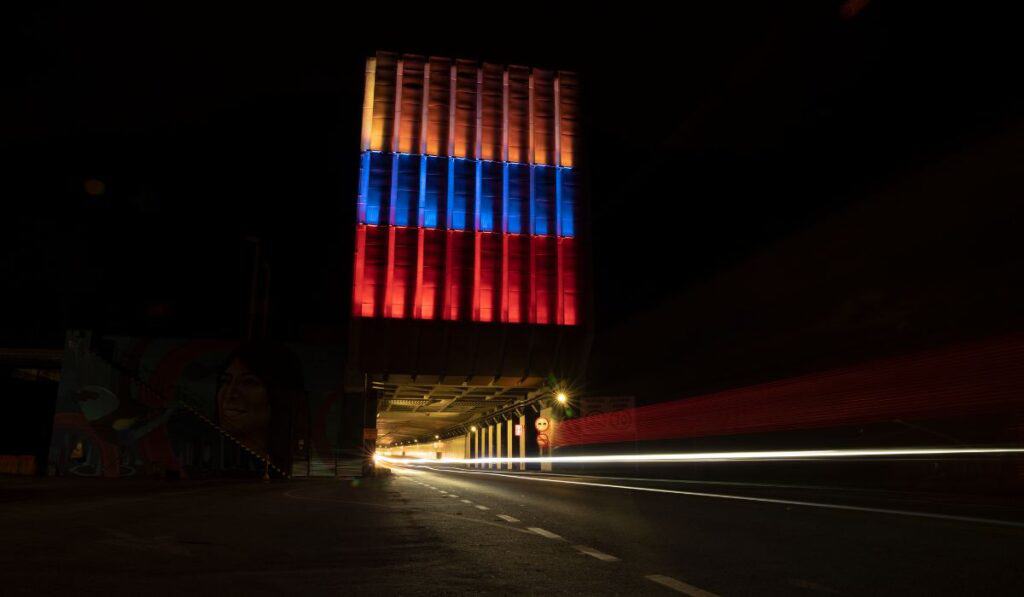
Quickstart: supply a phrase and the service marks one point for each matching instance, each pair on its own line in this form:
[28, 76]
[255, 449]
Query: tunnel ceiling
[417, 411]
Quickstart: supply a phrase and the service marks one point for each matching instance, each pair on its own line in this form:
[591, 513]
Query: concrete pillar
[476, 443]
[487, 445]
[522, 441]
[496, 440]
[491, 444]
[509, 445]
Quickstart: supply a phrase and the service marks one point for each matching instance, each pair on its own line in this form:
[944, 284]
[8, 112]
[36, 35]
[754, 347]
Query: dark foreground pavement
[435, 532]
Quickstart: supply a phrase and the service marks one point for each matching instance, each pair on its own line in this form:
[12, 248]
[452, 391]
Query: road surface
[733, 539]
[430, 531]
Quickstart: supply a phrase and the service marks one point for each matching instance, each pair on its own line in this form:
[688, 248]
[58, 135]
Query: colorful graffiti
[144, 406]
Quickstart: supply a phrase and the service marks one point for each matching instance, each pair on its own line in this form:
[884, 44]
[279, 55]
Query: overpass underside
[408, 410]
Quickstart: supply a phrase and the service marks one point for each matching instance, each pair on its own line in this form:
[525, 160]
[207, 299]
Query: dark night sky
[711, 134]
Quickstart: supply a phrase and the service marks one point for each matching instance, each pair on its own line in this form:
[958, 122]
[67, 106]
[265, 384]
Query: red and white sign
[541, 424]
[519, 430]
[542, 440]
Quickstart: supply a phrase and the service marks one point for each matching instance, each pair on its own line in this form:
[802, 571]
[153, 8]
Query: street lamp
[472, 428]
[561, 398]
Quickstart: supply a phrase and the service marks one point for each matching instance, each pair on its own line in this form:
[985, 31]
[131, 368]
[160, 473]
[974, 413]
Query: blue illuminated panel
[567, 202]
[543, 200]
[378, 188]
[462, 193]
[518, 198]
[436, 192]
[407, 193]
[490, 196]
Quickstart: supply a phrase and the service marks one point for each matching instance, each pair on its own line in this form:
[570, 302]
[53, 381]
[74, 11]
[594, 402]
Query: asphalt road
[454, 532]
[734, 539]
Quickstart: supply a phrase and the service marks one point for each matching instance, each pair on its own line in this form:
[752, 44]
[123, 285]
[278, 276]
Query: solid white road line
[590, 551]
[544, 533]
[508, 518]
[678, 585]
[482, 507]
[747, 498]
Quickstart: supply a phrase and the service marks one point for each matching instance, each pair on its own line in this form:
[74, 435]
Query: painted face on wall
[243, 405]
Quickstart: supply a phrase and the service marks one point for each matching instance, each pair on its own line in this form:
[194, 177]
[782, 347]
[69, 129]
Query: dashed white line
[466, 501]
[452, 495]
[747, 498]
[508, 518]
[590, 551]
[544, 533]
[679, 586]
[482, 507]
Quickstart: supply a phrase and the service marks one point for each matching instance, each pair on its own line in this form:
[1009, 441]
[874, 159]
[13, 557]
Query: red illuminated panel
[490, 277]
[517, 289]
[568, 264]
[403, 274]
[370, 269]
[432, 275]
[459, 275]
[545, 264]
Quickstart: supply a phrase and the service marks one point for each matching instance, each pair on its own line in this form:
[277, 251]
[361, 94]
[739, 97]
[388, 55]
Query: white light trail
[714, 456]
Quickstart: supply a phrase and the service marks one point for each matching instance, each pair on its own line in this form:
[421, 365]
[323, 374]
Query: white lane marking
[479, 507]
[590, 551]
[678, 585]
[452, 495]
[508, 518]
[466, 501]
[544, 533]
[747, 498]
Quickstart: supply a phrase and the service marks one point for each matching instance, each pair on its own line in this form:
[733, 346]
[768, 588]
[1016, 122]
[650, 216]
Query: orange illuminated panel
[412, 102]
[543, 117]
[465, 108]
[383, 103]
[518, 114]
[568, 117]
[490, 134]
[437, 108]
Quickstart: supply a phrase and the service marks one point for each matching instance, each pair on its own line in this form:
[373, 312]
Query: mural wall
[184, 408]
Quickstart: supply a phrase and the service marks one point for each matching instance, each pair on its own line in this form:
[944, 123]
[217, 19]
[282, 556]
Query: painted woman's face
[244, 406]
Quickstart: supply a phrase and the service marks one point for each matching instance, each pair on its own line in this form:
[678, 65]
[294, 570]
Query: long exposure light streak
[738, 456]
